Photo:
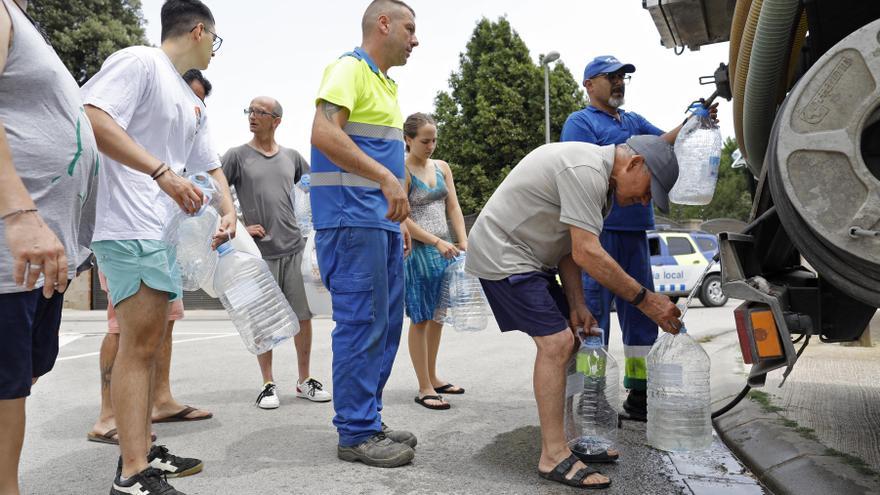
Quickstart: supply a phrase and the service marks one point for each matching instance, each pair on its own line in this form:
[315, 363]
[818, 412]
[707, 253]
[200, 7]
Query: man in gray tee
[48, 160]
[545, 218]
[264, 173]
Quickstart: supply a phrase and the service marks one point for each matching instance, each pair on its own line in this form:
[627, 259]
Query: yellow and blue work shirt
[375, 124]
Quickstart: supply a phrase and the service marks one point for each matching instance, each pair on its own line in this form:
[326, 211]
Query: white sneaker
[268, 399]
[312, 390]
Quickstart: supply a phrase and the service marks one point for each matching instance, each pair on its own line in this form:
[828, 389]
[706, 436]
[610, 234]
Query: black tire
[710, 292]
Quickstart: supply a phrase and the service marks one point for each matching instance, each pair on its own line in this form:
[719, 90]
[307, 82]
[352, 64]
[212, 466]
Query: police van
[678, 258]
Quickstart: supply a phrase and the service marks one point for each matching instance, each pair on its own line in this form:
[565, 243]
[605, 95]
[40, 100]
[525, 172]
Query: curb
[786, 460]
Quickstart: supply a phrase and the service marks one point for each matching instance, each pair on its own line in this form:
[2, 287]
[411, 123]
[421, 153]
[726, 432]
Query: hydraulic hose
[744, 53]
[740, 14]
[800, 37]
[730, 405]
[770, 50]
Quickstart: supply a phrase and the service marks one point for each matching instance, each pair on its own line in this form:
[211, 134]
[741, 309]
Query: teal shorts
[128, 263]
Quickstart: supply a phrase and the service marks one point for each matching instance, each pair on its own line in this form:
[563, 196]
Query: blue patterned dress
[425, 265]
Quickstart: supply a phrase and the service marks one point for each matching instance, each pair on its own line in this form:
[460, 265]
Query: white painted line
[92, 334]
[65, 339]
[90, 354]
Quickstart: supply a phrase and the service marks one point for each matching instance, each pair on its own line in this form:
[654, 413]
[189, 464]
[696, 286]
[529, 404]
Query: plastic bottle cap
[595, 341]
[225, 248]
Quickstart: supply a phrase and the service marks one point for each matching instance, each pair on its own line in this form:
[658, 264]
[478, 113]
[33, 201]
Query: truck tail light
[758, 333]
[742, 331]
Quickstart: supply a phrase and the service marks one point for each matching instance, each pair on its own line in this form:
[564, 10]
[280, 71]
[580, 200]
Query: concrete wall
[79, 292]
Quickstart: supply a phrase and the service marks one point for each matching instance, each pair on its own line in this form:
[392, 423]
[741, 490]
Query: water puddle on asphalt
[714, 471]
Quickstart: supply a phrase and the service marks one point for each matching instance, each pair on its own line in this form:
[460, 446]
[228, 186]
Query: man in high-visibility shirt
[358, 202]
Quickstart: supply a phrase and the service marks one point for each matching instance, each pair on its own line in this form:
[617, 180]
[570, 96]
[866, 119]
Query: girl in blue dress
[433, 207]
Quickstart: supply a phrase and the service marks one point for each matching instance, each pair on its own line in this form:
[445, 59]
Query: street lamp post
[550, 57]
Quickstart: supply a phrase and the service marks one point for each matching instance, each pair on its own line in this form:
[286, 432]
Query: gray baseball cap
[660, 159]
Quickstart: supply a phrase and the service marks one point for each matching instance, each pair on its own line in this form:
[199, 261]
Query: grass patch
[808, 433]
[853, 461]
[763, 399]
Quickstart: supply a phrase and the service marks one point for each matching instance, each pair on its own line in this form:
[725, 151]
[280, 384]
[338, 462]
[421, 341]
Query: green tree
[85, 32]
[494, 114]
[732, 198]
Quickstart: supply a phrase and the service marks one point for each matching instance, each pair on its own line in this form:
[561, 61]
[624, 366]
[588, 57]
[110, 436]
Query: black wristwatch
[639, 297]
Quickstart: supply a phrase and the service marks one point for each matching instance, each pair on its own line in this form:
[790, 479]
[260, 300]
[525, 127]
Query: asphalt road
[487, 443]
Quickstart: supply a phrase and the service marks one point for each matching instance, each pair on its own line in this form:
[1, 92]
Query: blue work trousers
[630, 250]
[363, 268]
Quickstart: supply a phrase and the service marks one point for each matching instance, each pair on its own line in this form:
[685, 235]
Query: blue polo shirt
[592, 125]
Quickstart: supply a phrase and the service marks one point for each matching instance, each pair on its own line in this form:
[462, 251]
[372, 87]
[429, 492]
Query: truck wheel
[710, 292]
[824, 170]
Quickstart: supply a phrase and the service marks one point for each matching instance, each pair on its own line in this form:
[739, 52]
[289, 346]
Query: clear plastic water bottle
[679, 402]
[591, 398]
[462, 296]
[317, 295]
[261, 314]
[302, 205]
[191, 236]
[698, 151]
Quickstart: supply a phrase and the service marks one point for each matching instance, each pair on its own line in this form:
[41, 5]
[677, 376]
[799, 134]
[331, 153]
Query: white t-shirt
[143, 92]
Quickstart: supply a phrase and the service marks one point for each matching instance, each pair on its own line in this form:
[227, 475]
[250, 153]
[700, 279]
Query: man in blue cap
[623, 236]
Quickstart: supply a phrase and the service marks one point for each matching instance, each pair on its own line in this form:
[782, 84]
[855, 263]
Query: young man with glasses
[604, 122]
[264, 173]
[149, 125]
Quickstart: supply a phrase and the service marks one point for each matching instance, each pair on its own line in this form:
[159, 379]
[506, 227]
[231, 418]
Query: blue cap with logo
[606, 64]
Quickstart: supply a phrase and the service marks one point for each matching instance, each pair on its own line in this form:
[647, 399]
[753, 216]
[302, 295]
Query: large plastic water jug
[243, 243]
[190, 236]
[258, 308]
[302, 205]
[591, 397]
[462, 298]
[679, 402]
[698, 151]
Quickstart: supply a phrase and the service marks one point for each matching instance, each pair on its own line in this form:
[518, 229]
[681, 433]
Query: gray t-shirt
[53, 147]
[524, 226]
[264, 185]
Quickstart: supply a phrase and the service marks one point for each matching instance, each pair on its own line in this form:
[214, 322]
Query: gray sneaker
[400, 436]
[378, 451]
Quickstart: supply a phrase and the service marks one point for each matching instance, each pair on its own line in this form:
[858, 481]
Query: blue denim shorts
[30, 339]
[532, 303]
[127, 263]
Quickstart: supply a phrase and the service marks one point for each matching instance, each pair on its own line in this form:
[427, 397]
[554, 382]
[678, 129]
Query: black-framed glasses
[615, 76]
[215, 44]
[259, 113]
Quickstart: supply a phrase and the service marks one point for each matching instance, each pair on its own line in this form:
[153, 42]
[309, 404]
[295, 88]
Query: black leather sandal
[577, 481]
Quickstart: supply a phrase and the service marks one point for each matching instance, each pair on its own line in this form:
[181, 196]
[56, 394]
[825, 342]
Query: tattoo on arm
[330, 110]
[106, 372]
